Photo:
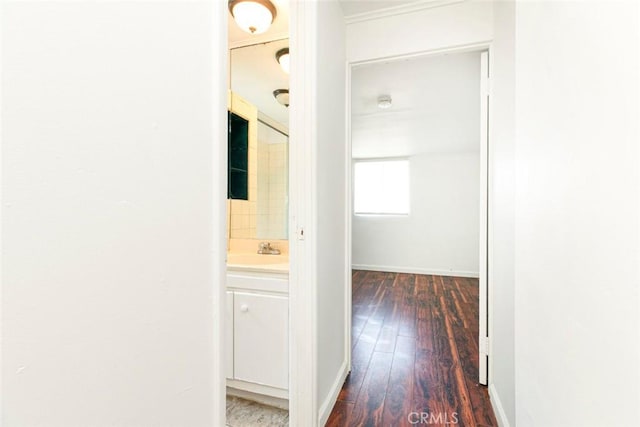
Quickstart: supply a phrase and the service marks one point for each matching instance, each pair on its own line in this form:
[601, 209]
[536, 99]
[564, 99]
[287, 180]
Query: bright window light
[381, 187]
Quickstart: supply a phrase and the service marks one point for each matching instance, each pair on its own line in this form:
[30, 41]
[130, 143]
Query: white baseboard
[498, 409]
[258, 397]
[330, 401]
[416, 270]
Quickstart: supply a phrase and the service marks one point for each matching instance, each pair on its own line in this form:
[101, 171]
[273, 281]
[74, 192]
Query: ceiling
[280, 26]
[436, 106]
[435, 99]
[255, 74]
[357, 7]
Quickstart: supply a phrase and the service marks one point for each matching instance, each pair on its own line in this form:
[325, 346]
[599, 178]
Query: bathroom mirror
[255, 74]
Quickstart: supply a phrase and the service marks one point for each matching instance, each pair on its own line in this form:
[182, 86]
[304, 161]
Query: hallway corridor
[414, 353]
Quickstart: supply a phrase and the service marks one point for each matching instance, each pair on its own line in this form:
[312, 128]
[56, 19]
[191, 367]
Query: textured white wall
[331, 198]
[577, 195]
[502, 211]
[108, 182]
[459, 24]
[441, 233]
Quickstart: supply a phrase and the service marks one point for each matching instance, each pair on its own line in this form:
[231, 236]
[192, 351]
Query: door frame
[483, 307]
[302, 318]
[303, 372]
[219, 104]
[485, 252]
[303, 405]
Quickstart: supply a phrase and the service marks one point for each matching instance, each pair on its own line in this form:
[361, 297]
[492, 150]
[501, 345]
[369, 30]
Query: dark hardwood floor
[414, 354]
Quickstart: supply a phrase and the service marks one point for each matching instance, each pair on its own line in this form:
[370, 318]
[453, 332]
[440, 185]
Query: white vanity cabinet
[257, 343]
[228, 321]
[260, 345]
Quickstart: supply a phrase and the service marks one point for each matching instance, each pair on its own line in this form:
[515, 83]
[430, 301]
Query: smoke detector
[384, 102]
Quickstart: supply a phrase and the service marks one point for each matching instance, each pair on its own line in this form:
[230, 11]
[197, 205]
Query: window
[381, 187]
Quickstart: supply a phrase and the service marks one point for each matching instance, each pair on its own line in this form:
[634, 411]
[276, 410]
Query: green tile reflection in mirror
[238, 158]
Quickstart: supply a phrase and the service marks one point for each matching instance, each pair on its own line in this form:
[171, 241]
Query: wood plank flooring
[414, 354]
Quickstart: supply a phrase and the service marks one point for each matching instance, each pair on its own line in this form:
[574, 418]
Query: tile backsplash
[265, 215]
[251, 245]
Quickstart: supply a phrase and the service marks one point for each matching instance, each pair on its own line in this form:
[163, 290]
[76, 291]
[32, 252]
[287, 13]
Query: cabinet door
[228, 335]
[261, 345]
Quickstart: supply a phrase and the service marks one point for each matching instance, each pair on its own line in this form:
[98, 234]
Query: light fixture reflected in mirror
[282, 56]
[253, 16]
[282, 96]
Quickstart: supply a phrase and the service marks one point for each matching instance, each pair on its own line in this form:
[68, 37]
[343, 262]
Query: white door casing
[483, 340]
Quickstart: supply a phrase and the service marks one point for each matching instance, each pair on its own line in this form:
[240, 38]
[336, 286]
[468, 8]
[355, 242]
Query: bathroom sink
[250, 259]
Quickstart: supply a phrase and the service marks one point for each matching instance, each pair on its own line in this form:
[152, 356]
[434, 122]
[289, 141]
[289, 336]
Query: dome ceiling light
[253, 16]
[282, 56]
[282, 96]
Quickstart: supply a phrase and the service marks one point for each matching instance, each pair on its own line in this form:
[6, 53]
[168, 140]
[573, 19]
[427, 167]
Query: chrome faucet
[265, 248]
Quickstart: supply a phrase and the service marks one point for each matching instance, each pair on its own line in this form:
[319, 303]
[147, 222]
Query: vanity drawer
[258, 282]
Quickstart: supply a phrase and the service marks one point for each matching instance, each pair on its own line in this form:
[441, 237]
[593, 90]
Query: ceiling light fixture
[282, 96]
[282, 56]
[253, 16]
[384, 102]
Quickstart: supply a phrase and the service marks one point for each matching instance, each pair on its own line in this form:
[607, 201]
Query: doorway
[257, 344]
[418, 236]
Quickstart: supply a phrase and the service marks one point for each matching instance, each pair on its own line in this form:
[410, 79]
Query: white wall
[577, 234]
[436, 28]
[319, 288]
[502, 212]
[441, 233]
[331, 205]
[108, 185]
